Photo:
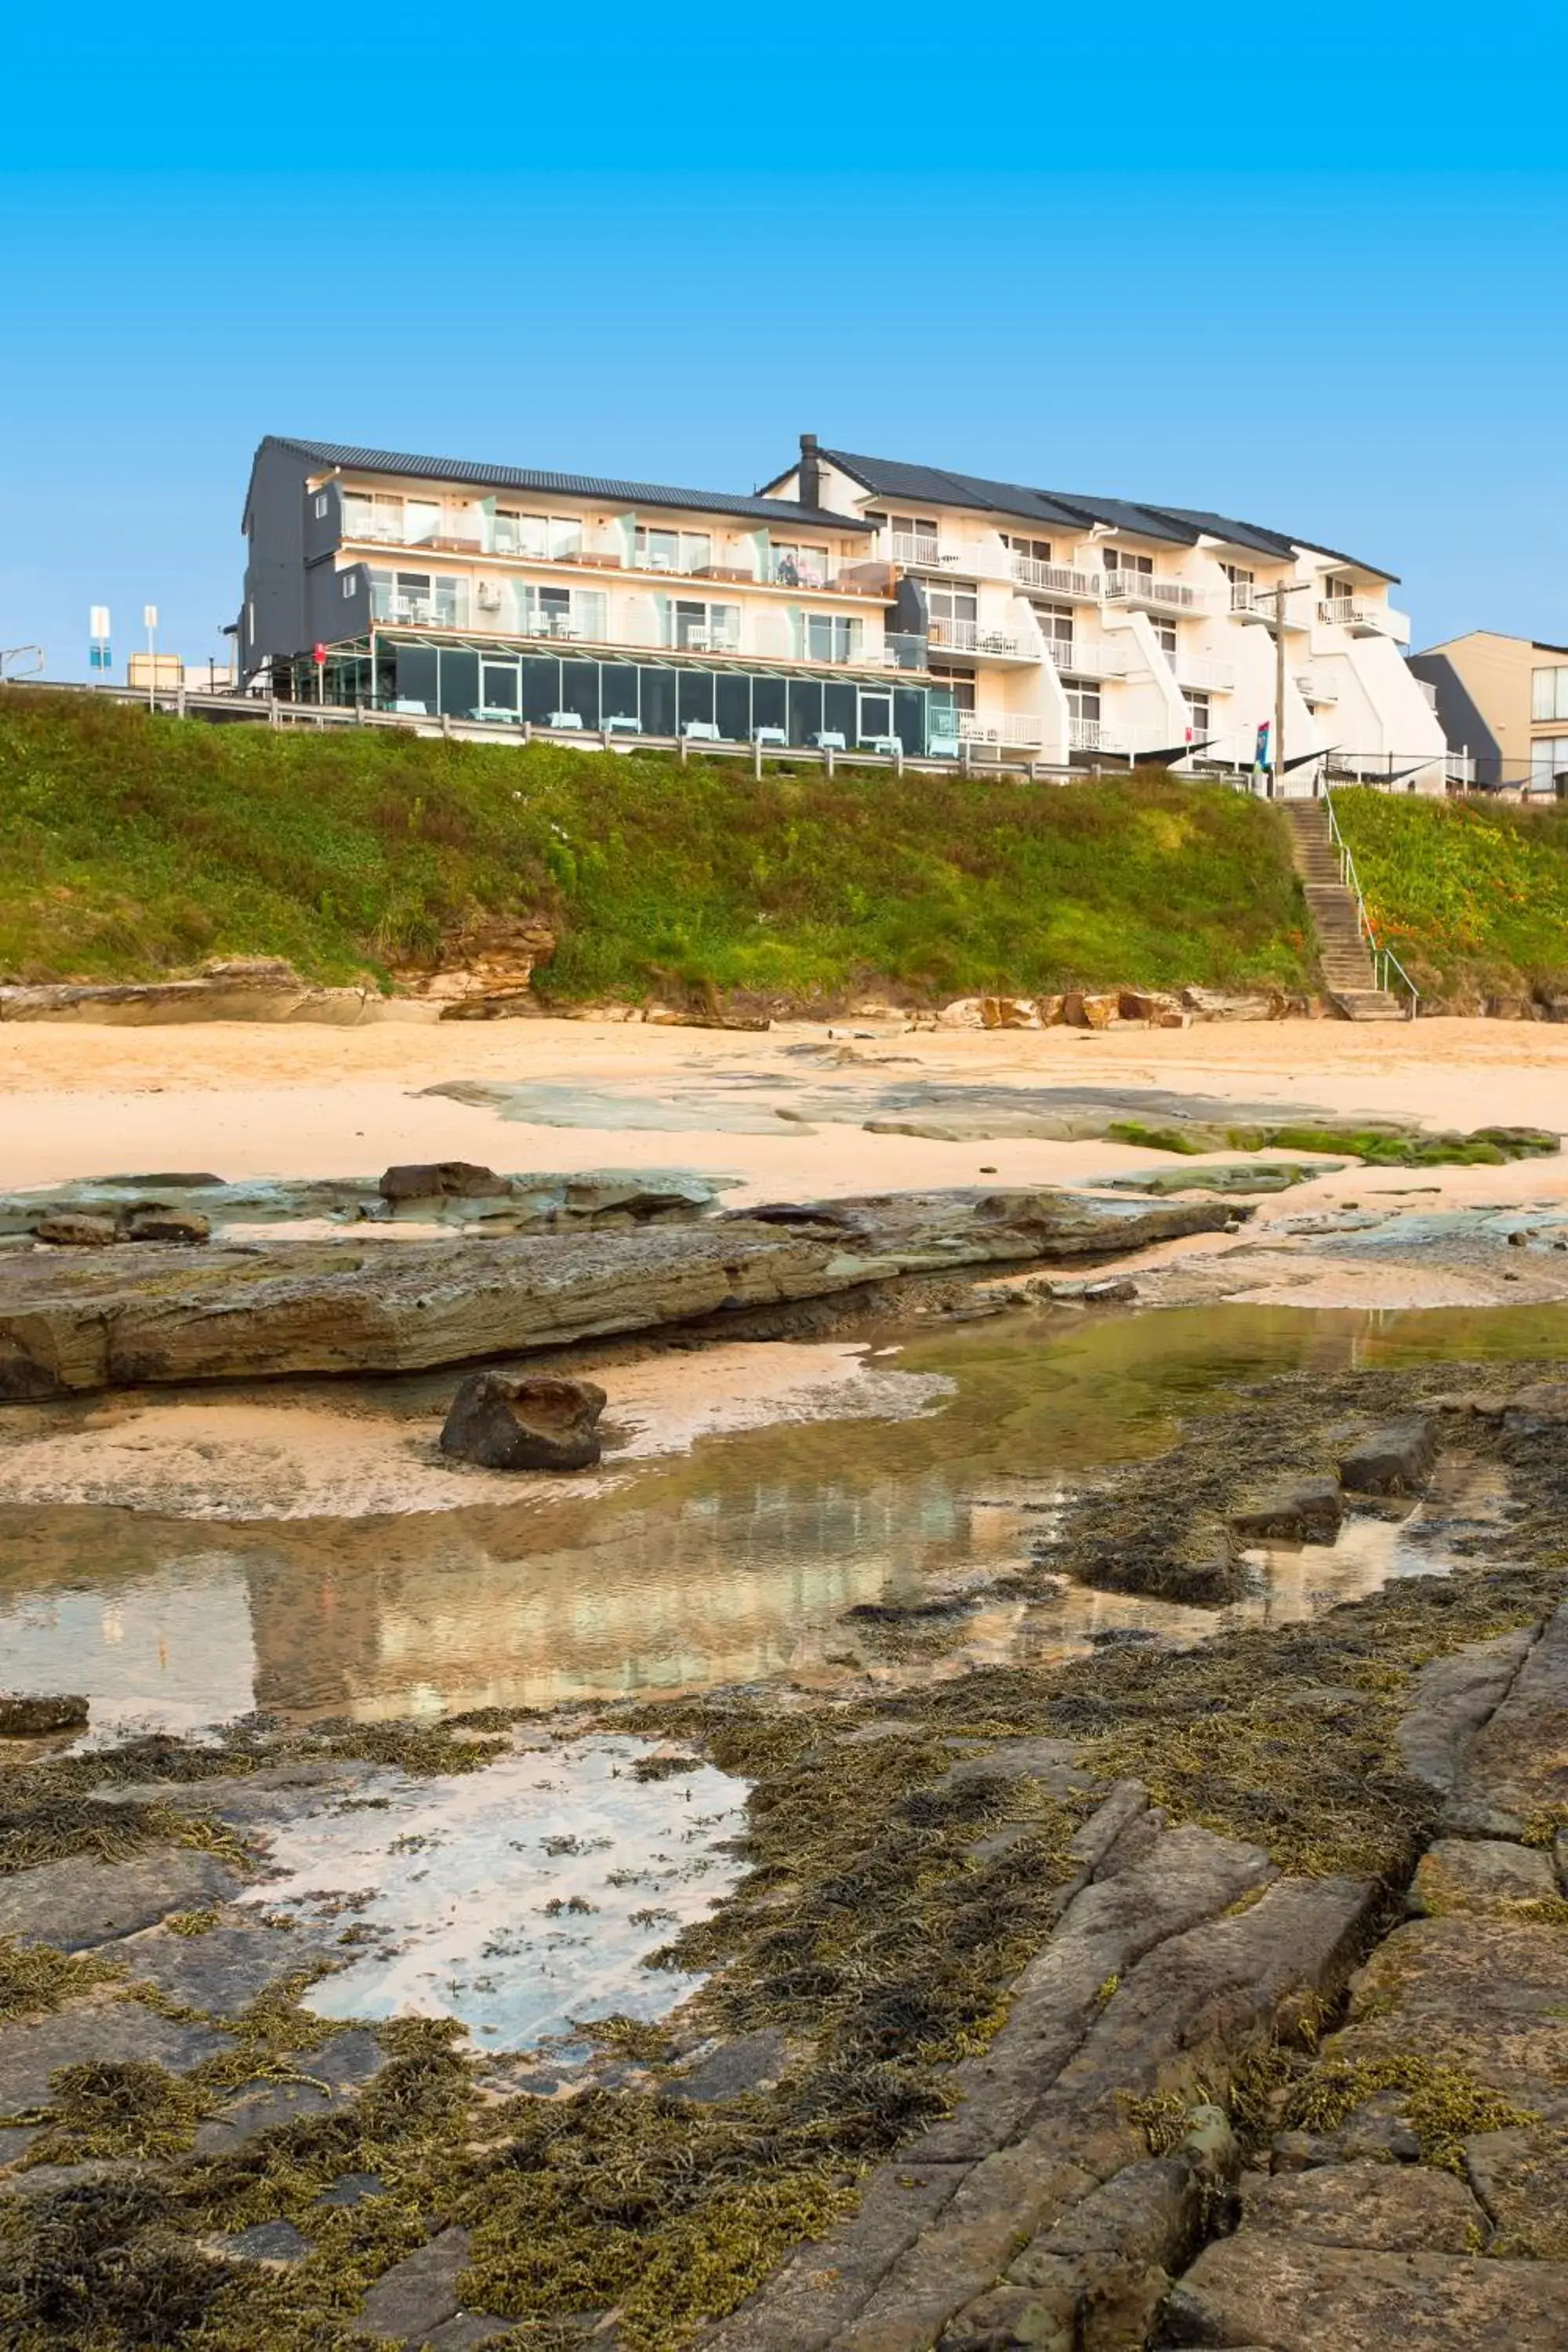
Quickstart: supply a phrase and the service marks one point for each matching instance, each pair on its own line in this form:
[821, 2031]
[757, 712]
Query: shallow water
[734, 1562]
[520, 1899]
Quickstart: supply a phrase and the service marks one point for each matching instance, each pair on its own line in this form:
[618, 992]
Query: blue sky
[1307, 265]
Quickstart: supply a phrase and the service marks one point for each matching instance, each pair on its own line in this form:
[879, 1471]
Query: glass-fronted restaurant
[502, 684]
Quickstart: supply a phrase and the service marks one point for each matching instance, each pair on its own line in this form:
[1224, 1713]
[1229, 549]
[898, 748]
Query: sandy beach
[247, 1100]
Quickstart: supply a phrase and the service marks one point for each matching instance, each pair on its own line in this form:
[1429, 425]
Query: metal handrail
[1383, 961]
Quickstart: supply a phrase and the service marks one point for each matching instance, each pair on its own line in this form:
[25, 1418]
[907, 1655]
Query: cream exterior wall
[1498, 674]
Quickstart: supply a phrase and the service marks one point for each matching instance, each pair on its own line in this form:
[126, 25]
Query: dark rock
[81, 1901]
[470, 2330]
[1488, 1994]
[752, 2062]
[1480, 1874]
[1377, 2133]
[1520, 2177]
[266, 2242]
[542, 1422]
[1394, 1460]
[352, 2188]
[419, 2293]
[1393, 2209]
[442, 1179]
[1305, 1511]
[339, 2070]
[223, 1970]
[34, 1714]
[1542, 1405]
[1453, 1696]
[75, 1229]
[1295, 2297]
[187, 1226]
[1517, 1768]
[15, 2142]
[30, 2052]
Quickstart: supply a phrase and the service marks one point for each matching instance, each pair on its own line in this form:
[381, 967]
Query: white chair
[570, 719]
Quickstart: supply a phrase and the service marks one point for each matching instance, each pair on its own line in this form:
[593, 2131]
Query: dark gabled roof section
[889, 477]
[577, 486]
[1183, 526]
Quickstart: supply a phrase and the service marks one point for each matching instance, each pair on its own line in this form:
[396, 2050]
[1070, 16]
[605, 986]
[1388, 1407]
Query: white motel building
[860, 603]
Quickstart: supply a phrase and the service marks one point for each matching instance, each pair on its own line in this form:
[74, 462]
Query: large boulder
[540, 1424]
[1395, 1460]
[442, 1179]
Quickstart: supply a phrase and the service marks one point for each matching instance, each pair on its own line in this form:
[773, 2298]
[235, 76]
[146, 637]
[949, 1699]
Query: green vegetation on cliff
[131, 847]
[1471, 896]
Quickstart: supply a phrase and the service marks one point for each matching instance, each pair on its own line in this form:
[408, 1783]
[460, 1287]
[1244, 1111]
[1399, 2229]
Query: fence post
[827, 759]
[756, 759]
[898, 755]
[682, 747]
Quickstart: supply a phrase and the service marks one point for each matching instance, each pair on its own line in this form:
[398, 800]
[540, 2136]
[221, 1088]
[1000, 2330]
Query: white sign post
[98, 630]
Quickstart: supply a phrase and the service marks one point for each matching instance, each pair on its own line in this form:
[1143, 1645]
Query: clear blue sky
[1304, 265]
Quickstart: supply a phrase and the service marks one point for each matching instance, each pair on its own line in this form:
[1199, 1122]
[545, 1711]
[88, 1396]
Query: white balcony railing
[974, 638]
[1012, 727]
[1361, 617]
[1055, 578]
[913, 547]
[1141, 588]
[1094, 735]
[1203, 672]
[1088, 657]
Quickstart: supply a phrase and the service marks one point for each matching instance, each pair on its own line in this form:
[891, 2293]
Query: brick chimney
[810, 472]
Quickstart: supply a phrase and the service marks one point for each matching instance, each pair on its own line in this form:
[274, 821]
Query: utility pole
[1277, 777]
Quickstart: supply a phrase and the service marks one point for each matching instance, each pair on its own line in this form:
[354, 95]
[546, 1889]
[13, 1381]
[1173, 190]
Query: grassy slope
[1472, 898]
[130, 846]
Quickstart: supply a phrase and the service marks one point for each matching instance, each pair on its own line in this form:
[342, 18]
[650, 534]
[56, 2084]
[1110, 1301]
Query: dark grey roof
[581, 486]
[1183, 526]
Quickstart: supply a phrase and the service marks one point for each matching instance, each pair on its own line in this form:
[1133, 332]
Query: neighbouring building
[866, 602]
[1504, 705]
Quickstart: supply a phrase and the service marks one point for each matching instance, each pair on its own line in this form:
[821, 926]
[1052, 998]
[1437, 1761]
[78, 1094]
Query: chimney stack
[810, 472]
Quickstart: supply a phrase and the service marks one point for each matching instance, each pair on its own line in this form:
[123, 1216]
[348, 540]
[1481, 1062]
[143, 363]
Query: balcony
[1055, 580]
[1020, 728]
[976, 637]
[1141, 591]
[794, 572]
[1204, 673]
[1315, 689]
[1088, 657]
[1094, 735]
[1363, 618]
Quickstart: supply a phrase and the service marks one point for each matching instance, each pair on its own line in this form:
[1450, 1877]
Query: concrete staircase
[1343, 954]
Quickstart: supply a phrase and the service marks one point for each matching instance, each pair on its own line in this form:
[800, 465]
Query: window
[1242, 586]
[1083, 702]
[548, 536]
[1056, 622]
[959, 602]
[1037, 550]
[1548, 693]
[659, 550]
[798, 566]
[831, 636]
[1164, 635]
[1198, 713]
[697, 627]
[370, 517]
[960, 684]
[1548, 759]
[1117, 559]
[322, 502]
[348, 581]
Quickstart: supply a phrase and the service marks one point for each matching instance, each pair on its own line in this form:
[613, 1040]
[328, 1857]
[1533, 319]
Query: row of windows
[469, 682]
